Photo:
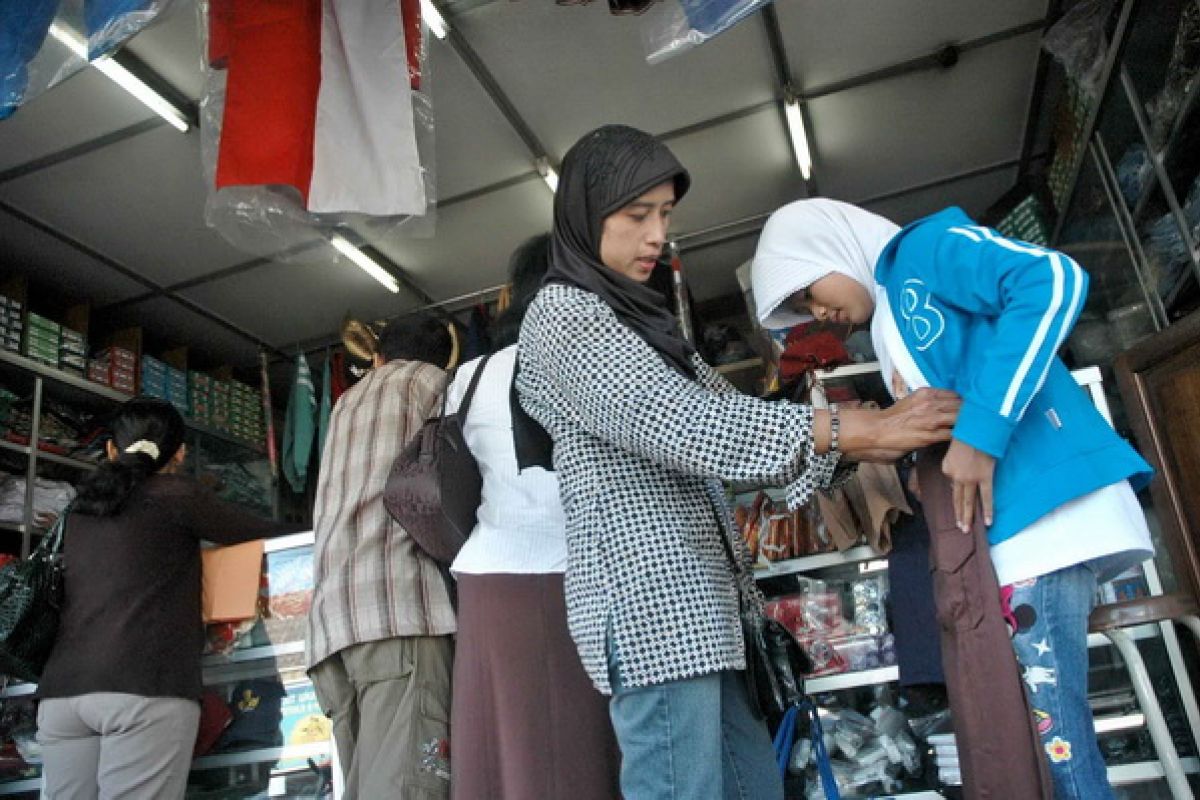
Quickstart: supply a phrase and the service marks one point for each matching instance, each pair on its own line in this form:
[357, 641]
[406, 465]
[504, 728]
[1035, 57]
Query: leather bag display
[434, 487]
[31, 595]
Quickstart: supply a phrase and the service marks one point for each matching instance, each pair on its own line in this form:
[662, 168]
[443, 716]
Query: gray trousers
[389, 701]
[110, 746]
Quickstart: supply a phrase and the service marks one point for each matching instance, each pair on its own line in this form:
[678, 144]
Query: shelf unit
[46, 381]
[1091, 379]
[1130, 186]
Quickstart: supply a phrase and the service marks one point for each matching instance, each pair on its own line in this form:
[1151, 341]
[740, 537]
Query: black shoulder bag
[434, 487]
[775, 662]
[31, 596]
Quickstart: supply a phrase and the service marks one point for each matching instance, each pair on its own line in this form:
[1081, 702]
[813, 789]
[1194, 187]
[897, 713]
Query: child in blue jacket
[957, 306]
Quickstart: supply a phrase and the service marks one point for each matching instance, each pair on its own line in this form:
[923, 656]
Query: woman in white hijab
[972, 311]
[816, 260]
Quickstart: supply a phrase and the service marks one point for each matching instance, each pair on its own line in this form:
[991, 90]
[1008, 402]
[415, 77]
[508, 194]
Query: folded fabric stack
[945, 758]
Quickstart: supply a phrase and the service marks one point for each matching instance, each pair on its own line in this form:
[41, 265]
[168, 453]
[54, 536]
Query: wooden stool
[1110, 621]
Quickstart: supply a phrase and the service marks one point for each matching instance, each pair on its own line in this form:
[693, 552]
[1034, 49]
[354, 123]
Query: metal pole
[35, 432]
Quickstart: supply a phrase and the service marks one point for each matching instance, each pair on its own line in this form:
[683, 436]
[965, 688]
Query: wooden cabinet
[1160, 383]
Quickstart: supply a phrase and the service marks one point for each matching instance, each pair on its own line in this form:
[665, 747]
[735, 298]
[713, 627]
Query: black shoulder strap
[470, 394]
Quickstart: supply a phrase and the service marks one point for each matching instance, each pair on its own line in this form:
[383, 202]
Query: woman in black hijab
[643, 434]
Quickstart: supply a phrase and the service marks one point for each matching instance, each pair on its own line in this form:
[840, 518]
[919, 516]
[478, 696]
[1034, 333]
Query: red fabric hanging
[410, 15]
[220, 20]
[274, 67]
[337, 376]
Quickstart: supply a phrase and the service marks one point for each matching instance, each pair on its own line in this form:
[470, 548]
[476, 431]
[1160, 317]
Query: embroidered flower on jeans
[1044, 721]
[1059, 750]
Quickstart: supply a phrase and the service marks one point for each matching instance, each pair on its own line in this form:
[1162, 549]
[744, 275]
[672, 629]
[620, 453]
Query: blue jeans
[1051, 614]
[691, 739]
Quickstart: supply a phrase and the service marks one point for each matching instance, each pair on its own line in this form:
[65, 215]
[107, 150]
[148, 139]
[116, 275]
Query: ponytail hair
[147, 434]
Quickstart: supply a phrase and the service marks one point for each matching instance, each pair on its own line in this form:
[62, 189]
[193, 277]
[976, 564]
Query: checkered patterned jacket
[641, 451]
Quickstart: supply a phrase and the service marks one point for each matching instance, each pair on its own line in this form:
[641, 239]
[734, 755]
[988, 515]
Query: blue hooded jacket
[985, 316]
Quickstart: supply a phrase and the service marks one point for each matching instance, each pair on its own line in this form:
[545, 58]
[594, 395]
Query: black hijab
[605, 171]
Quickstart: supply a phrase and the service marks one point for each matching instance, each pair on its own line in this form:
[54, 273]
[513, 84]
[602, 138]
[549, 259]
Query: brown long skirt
[998, 742]
[526, 722]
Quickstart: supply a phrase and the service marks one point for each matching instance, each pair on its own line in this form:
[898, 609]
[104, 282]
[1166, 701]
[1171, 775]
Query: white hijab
[806, 240]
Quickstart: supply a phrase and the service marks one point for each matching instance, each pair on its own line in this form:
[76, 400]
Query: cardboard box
[231, 577]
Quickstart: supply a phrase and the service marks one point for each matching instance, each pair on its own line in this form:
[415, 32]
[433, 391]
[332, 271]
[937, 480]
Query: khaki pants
[389, 701]
[109, 745]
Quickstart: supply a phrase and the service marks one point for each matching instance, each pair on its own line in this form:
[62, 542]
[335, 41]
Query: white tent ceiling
[100, 200]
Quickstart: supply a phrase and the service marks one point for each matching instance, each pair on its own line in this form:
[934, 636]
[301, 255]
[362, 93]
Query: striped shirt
[371, 580]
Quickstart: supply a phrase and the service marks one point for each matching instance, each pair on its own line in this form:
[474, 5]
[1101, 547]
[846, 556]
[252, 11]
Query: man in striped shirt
[379, 649]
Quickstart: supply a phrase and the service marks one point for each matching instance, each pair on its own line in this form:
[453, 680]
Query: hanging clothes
[326, 405]
[319, 98]
[910, 596]
[300, 427]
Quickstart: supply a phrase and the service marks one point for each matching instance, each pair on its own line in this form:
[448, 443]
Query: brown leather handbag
[434, 487]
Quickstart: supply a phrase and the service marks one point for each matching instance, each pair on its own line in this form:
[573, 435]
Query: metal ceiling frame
[939, 59]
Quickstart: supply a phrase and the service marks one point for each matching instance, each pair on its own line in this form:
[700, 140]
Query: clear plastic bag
[44, 42]
[109, 23]
[672, 27]
[1078, 42]
[274, 219]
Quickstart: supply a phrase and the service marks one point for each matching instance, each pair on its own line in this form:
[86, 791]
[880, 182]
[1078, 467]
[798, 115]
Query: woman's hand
[971, 471]
[922, 418]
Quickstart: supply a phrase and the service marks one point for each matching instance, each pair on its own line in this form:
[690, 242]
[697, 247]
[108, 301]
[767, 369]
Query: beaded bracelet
[835, 424]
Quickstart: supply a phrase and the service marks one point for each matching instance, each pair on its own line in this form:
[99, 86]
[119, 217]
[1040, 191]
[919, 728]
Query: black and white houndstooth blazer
[641, 451]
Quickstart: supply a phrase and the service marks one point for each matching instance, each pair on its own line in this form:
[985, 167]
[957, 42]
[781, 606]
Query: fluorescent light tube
[795, 123]
[547, 172]
[434, 19]
[364, 262]
[123, 78]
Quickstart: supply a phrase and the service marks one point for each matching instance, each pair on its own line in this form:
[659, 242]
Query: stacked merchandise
[871, 753]
[115, 367]
[200, 392]
[177, 390]
[773, 533]
[220, 395]
[154, 377]
[72, 352]
[166, 383]
[49, 499]
[63, 429]
[945, 758]
[246, 413]
[12, 323]
[836, 640]
[1026, 222]
[1068, 140]
[229, 406]
[42, 339]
